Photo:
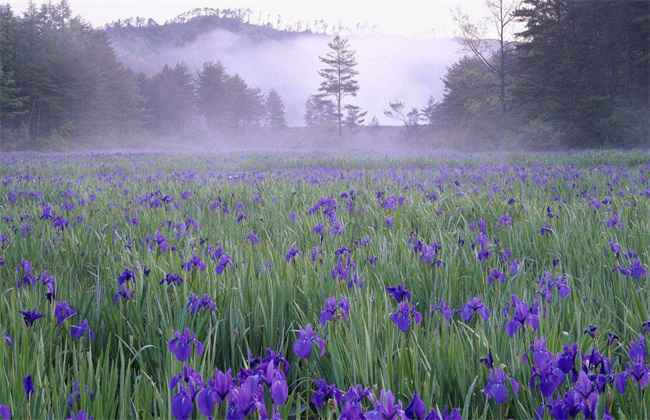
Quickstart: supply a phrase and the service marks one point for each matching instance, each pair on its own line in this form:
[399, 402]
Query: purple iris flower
[125, 277]
[83, 329]
[187, 379]
[496, 275]
[545, 230]
[591, 330]
[28, 386]
[638, 369]
[334, 310]
[172, 279]
[405, 315]
[522, 315]
[399, 293]
[49, 282]
[319, 229]
[181, 345]
[182, 405]
[505, 220]
[416, 409]
[445, 414]
[386, 407]
[545, 374]
[63, 311]
[5, 412]
[215, 392]
[614, 222]
[566, 362]
[585, 395]
[302, 347]
[123, 293]
[206, 401]
[337, 228]
[222, 383]
[25, 274]
[194, 262]
[60, 223]
[253, 238]
[242, 399]
[615, 247]
[196, 304]
[474, 306]
[547, 283]
[445, 310]
[316, 254]
[498, 386]
[292, 253]
[224, 261]
[279, 391]
[429, 254]
[323, 392]
[80, 415]
[30, 317]
[638, 270]
[47, 212]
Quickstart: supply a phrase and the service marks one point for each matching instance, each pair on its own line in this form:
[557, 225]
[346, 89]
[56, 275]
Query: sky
[406, 17]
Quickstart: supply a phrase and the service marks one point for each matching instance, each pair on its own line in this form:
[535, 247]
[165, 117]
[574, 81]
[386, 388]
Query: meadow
[139, 286]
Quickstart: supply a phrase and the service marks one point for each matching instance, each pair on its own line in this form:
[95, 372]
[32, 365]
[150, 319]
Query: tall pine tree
[339, 77]
[275, 111]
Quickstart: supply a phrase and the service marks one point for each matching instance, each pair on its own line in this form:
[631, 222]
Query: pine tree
[320, 112]
[429, 112]
[211, 94]
[275, 111]
[169, 98]
[339, 76]
[11, 102]
[354, 118]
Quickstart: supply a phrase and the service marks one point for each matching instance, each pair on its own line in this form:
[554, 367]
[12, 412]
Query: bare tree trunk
[502, 71]
[338, 104]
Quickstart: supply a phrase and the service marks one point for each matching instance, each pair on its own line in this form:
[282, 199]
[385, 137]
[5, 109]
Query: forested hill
[271, 54]
[186, 28]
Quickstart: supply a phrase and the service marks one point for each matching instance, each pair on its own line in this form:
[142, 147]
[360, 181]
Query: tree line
[571, 73]
[576, 74]
[60, 79]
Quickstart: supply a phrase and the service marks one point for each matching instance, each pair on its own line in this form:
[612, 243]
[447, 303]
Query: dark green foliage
[583, 67]
[320, 112]
[275, 117]
[338, 77]
[60, 77]
[578, 76]
[169, 98]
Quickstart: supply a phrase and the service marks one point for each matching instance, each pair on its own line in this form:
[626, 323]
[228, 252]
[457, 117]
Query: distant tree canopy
[338, 81]
[578, 75]
[276, 118]
[60, 77]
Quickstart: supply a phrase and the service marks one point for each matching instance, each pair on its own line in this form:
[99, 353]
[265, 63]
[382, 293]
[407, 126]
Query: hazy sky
[392, 16]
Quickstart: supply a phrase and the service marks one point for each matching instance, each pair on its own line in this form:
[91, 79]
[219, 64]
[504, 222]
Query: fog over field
[391, 67]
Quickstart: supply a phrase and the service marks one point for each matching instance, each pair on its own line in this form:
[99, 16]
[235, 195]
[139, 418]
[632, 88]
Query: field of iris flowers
[272, 286]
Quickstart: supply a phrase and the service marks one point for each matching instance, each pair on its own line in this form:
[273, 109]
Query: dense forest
[577, 74]
[60, 79]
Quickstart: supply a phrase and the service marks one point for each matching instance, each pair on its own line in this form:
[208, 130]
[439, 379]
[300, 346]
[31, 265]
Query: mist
[391, 67]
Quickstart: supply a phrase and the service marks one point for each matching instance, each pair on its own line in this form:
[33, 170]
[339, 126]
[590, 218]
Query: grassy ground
[111, 212]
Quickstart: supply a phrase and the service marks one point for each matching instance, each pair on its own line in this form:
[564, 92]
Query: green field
[568, 234]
